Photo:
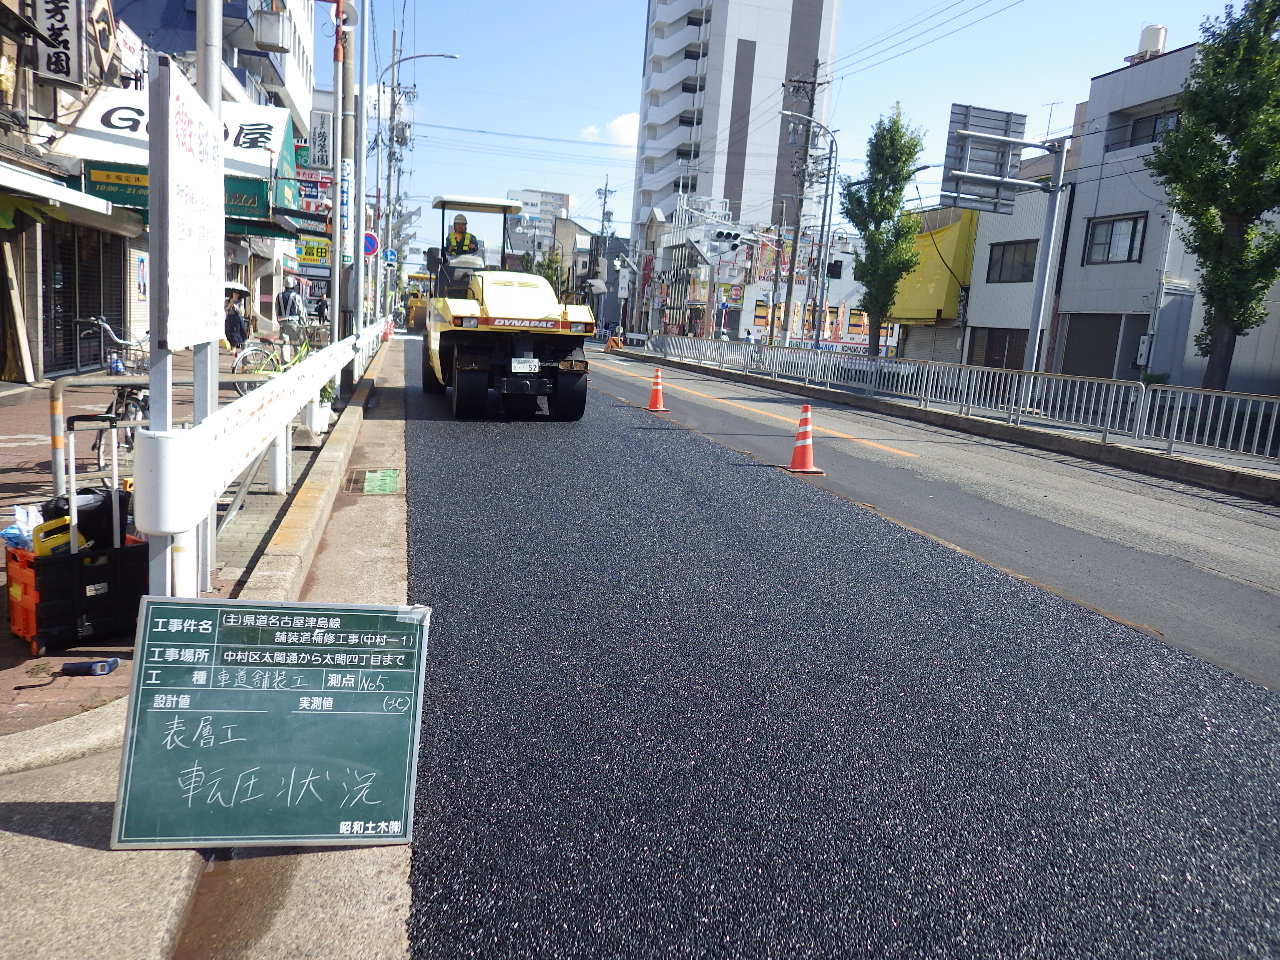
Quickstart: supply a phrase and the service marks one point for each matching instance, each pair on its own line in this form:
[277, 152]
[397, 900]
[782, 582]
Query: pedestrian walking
[322, 310]
[236, 326]
[289, 305]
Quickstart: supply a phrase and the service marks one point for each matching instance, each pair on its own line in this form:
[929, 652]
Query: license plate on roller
[525, 365]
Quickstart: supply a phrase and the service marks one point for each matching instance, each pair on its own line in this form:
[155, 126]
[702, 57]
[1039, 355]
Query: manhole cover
[373, 481]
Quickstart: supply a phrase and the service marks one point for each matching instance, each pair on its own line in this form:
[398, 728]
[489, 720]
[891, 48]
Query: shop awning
[48, 190]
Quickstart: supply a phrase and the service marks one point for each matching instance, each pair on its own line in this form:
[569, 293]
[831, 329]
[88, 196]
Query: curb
[282, 569]
[1240, 482]
[68, 739]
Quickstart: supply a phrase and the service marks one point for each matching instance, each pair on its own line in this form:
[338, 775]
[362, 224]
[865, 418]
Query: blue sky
[570, 72]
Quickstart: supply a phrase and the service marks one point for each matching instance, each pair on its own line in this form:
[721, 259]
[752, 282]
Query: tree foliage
[874, 207]
[548, 267]
[1221, 168]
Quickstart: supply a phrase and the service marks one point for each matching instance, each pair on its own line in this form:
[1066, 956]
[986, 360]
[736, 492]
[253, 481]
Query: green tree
[548, 267]
[1219, 167]
[874, 207]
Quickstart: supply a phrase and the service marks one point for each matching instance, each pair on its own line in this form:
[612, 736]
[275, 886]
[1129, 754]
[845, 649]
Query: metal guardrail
[1235, 422]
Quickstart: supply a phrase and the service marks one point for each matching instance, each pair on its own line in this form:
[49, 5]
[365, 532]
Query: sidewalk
[30, 694]
[68, 895]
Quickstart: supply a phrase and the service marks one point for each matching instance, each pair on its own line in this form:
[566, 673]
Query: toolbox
[63, 600]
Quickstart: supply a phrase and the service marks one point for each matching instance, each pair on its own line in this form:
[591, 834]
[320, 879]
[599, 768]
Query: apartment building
[534, 230]
[711, 100]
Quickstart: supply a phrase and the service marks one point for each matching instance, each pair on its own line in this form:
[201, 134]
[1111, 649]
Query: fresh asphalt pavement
[682, 703]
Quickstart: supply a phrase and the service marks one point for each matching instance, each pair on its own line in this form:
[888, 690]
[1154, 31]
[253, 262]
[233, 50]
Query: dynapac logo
[549, 324]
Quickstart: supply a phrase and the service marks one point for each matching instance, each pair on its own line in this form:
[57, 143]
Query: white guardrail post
[179, 474]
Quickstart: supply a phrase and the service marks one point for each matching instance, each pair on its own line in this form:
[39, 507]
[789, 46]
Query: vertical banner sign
[348, 233]
[187, 211]
[59, 21]
[320, 146]
[254, 724]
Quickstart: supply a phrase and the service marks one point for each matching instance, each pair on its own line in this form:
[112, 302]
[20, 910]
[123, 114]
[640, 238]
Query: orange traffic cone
[802, 452]
[655, 393]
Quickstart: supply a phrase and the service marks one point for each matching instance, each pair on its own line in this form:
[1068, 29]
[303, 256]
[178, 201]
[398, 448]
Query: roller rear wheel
[470, 393]
[569, 402]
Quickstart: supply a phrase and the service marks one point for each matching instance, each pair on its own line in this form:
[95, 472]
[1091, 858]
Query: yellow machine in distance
[502, 330]
[418, 287]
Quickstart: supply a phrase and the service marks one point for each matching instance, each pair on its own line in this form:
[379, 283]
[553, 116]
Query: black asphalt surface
[684, 704]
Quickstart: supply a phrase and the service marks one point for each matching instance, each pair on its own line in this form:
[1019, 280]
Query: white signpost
[186, 250]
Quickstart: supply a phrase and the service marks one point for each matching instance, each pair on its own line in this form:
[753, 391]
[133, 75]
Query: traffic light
[732, 237]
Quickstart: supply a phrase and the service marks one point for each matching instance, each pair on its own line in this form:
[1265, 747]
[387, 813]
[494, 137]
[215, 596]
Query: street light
[386, 236]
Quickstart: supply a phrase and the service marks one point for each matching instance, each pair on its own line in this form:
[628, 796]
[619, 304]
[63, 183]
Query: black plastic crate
[89, 596]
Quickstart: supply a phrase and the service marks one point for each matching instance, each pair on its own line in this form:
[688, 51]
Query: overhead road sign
[977, 169]
[255, 724]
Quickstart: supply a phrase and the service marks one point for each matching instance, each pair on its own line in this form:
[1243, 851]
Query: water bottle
[115, 364]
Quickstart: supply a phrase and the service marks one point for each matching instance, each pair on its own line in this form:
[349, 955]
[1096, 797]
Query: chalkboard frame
[421, 615]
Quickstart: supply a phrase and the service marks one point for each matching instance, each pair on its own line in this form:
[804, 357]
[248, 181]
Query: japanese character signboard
[185, 196]
[320, 144]
[254, 724]
[59, 21]
[113, 129]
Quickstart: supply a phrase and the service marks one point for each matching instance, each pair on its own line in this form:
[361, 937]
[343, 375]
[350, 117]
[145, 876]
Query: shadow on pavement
[83, 823]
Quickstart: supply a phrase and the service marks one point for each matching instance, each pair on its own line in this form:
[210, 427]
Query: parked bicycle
[269, 356]
[130, 404]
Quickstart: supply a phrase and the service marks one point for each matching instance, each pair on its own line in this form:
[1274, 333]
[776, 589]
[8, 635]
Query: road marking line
[776, 416]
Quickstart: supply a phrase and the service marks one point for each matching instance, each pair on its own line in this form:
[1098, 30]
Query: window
[1012, 262]
[1115, 240]
[1140, 130]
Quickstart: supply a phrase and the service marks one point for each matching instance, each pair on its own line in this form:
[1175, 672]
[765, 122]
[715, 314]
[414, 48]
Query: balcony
[672, 44]
[674, 11]
[670, 140]
[660, 81]
[664, 113]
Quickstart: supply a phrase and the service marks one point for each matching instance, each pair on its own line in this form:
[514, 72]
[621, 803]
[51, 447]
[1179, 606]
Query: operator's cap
[459, 219]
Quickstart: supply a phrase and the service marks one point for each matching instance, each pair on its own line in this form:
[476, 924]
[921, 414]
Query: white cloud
[624, 129]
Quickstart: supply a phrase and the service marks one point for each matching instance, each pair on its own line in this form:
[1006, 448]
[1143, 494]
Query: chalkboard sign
[253, 724]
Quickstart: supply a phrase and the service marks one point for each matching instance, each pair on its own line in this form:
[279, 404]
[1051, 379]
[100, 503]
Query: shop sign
[126, 185]
[320, 143]
[131, 52]
[59, 22]
[113, 129]
[315, 190]
[313, 251]
[102, 32]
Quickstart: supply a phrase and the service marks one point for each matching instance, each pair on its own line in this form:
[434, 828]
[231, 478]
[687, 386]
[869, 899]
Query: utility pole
[341, 318]
[205, 355]
[336, 213]
[600, 269]
[391, 152]
[777, 274]
[802, 176]
[361, 156]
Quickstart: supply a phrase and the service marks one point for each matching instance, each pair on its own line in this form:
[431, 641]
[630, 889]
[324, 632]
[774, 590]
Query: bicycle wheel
[129, 411]
[254, 360]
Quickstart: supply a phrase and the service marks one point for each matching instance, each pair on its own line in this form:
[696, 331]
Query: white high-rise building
[533, 231]
[712, 96]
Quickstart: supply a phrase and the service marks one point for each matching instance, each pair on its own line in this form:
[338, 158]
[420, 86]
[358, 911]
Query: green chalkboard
[254, 724]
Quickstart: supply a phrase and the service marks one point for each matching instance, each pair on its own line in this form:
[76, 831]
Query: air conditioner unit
[271, 31]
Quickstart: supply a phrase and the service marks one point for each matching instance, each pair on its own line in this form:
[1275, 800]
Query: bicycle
[268, 357]
[130, 405]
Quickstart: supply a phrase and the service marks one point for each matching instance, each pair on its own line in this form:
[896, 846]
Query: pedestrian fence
[1125, 409]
